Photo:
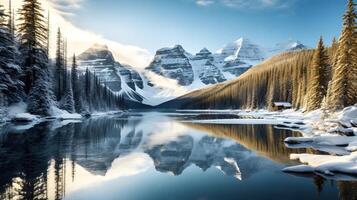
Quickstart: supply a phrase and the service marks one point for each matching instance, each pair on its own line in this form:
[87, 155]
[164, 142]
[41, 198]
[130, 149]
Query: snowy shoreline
[19, 119]
[334, 134]
[331, 133]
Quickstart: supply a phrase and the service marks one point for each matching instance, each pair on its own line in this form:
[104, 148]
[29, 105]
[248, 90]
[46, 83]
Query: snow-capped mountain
[205, 68]
[121, 79]
[174, 71]
[242, 49]
[173, 63]
[290, 45]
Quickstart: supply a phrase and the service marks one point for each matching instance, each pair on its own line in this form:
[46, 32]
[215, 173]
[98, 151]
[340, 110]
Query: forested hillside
[324, 77]
[281, 78]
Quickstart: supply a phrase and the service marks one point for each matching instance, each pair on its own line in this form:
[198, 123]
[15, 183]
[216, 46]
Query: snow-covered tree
[67, 102]
[59, 71]
[344, 78]
[10, 71]
[318, 83]
[33, 37]
[39, 102]
[76, 86]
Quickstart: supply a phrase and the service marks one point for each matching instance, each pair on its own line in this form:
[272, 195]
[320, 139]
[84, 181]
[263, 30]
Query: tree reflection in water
[37, 163]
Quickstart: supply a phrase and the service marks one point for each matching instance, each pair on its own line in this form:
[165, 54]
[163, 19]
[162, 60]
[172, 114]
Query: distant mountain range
[174, 72]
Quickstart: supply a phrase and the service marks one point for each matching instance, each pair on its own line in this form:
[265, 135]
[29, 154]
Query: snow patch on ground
[64, 115]
[326, 164]
[24, 117]
[334, 133]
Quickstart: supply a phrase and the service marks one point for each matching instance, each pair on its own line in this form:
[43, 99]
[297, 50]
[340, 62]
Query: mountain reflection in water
[47, 162]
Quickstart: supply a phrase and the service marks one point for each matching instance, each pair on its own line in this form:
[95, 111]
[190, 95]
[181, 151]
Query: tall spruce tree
[10, 71]
[87, 88]
[33, 36]
[39, 101]
[67, 102]
[33, 39]
[76, 86]
[319, 77]
[58, 72]
[344, 78]
[10, 25]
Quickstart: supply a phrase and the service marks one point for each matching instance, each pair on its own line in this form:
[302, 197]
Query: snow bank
[100, 114]
[16, 109]
[334, 133]
[21, 119]
[332, 144]
[326, 164]
[64, 115]
[24, 117]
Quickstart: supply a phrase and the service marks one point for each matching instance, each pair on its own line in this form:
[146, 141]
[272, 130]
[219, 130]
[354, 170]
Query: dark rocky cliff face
[173, 63]
[122, 79]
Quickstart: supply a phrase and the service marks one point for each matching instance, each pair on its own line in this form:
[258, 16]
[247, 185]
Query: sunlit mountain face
[153, 155]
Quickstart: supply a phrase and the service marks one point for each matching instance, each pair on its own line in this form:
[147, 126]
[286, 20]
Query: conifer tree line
[325, 77]
[27, 74]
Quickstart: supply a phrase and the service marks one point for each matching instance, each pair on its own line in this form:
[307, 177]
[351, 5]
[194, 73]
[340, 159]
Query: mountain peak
[176, 48]
[242, 49]
[290, 45]
[204, 50]
[97, 51]
[100, 47]
[241, 40]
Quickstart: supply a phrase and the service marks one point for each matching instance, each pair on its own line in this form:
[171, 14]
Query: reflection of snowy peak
[207, 152]
[100, 150]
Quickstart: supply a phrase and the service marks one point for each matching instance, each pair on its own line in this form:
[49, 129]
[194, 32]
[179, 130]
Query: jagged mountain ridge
[175, 64]
[206, 68]
[120, 79]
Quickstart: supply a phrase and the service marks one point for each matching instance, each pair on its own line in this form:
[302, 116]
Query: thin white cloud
[249, 4]
[204, 2]
[79, 39]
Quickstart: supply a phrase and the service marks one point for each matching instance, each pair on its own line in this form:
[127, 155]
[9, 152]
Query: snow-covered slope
[173, 63]
[290, 45]
[121, 79]
[174, 72]
[205, 68]
[242, 49]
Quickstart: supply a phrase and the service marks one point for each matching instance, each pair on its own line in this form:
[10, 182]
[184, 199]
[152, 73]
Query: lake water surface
[155, 156]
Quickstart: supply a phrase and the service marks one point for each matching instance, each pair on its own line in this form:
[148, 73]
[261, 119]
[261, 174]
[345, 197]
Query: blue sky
[152, 24]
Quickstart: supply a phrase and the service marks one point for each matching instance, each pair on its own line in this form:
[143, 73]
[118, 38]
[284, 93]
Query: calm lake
[155, 156]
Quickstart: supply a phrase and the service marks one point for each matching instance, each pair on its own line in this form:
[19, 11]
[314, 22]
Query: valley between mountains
[175, 72]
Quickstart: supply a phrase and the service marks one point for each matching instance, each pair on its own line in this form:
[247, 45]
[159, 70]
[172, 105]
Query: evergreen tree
[48, 34]
[87, 88]
[10, 71]
[76, 86]
[11, 25]
[33, 39]
[67, 102]
[58, 73]
[39, 102]
[344, 79]
[319, 77]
